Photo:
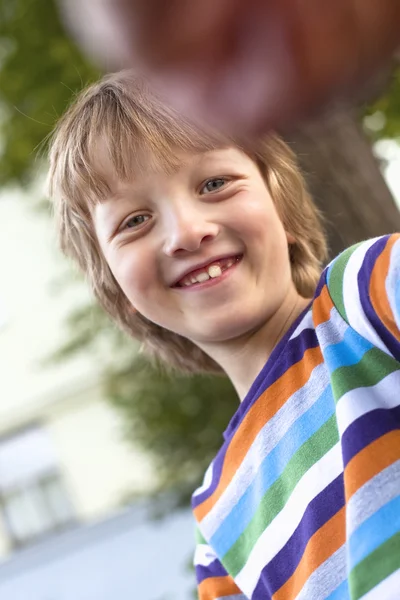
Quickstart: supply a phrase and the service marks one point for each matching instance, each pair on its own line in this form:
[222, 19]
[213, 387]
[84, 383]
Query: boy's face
[202, 251]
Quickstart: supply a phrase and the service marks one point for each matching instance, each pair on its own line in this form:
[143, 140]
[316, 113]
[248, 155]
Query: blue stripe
[270, 470]
[341, 592]
[375, 531]
[348, 352]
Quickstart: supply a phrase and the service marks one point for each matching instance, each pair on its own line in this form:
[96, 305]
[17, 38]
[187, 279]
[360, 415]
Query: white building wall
[33, 311]
[5, 546]
[98, 467]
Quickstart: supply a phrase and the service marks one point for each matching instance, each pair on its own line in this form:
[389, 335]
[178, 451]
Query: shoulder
[364, 284]
[356, 266]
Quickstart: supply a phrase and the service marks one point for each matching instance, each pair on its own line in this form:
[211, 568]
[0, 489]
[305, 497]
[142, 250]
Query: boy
[210, 253]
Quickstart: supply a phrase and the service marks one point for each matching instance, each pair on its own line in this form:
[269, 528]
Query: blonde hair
[121, 113]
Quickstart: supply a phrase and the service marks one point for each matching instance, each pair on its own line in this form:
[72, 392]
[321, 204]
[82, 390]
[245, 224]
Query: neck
[243, 358]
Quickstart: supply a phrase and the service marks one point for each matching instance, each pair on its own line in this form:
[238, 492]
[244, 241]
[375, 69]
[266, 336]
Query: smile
[212, 271]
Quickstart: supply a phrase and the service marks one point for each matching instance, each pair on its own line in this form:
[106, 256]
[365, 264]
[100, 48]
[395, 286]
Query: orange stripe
[322, 307]
[259, 414]
[377, 292]
[217, 587]
[322, 545]
[370, 461]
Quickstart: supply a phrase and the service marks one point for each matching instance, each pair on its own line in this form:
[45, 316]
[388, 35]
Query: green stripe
[278, 494]
[199, 537]
[375, 568]
[335, 279]
[374, 366]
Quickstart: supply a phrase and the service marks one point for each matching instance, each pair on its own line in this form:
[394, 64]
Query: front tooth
[201, 277]
[214, 271]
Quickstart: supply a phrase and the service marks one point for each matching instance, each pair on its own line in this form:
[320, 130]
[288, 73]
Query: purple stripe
[216, 474]
[214, 569]
[270, 373]
[321, 283]
[367, 429]
[320, 510]
[364, 277]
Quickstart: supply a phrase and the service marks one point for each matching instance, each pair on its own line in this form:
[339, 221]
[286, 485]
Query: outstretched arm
[244, 65]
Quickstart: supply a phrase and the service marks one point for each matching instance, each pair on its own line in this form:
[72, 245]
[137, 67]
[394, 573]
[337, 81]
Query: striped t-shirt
[303, 499]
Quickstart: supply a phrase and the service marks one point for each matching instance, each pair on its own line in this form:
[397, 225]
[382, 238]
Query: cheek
[258, 219]
[265, 237]
[133, 274]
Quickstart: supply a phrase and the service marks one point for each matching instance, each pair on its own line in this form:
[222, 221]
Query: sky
[390, 151]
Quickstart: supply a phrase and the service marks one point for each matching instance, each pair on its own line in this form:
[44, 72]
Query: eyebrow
[116, 196]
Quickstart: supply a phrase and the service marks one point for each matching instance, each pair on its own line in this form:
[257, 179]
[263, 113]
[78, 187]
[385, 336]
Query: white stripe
[332, 331]
[206, 481]
[392, 282]
[265, 441]
[305, 323]
[204, 555]
[360, 401]
[324, 580]
[276, 535]
[388, 589]
[351, 296]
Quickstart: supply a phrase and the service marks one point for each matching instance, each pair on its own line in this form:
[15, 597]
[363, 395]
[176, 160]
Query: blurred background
[99, 451]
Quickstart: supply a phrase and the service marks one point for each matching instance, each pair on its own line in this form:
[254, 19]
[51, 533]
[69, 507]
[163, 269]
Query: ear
[132, 309]
[290, 238]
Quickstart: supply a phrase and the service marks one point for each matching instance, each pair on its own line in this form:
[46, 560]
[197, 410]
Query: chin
[227, 331]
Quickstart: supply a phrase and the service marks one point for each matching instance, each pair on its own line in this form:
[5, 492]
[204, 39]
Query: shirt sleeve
[213, 581]
[364, 283]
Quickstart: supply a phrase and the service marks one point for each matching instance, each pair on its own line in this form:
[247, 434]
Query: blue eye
[135, 221]
[213, 185]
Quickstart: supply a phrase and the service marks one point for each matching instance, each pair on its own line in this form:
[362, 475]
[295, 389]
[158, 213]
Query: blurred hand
[243, 65]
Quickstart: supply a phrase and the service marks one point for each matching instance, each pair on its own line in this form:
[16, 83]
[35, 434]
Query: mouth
[213, 271]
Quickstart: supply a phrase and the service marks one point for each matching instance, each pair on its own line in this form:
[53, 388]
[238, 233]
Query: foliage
[178, 419]
[40, 70]
[387, 111]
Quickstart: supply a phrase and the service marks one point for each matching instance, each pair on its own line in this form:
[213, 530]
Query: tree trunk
[345, 180]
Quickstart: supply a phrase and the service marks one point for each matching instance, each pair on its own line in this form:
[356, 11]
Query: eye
[135, 221]
[213, 185]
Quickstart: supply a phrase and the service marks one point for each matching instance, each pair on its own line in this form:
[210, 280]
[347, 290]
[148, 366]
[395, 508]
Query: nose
[187, 230]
